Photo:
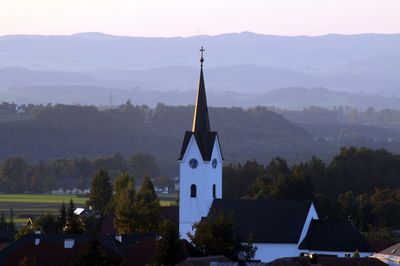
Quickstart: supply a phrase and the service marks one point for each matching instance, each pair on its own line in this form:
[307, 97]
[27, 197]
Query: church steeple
[201, 122]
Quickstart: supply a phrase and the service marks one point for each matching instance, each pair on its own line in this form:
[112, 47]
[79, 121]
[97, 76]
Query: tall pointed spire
[201, 122]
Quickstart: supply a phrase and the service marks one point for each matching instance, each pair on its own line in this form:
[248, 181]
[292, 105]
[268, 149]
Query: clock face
[193, 163]
[214, 163]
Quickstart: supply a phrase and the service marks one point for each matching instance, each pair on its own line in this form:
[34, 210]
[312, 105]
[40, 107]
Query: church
[280, 228]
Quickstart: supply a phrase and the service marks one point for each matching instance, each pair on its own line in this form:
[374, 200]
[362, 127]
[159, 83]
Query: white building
[280, 228]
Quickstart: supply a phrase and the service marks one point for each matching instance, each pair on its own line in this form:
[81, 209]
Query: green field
[40, 198]
[32, 205]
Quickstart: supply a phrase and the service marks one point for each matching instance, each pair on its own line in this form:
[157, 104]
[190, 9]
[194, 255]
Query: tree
[249, 249]
[24, 230]
[121, 182]
[148, 207]
[11, 222]
[62, 218]
[356, 254]
[215, 236]
[141, 164]
[47, 223]
[125, 209]
[73, 224]
[169, 249]
[12, 175]
[100, 191]
[3, 222]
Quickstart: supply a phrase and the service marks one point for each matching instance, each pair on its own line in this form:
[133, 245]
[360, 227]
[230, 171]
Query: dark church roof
[205, 144]
[201, 129]
[270, 221]
[328, 235]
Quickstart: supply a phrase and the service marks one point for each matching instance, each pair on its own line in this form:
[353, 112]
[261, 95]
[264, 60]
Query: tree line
[18, 176]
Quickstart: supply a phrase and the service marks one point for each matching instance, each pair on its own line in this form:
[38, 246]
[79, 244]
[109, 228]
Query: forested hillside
[37, 132]
[61, 131]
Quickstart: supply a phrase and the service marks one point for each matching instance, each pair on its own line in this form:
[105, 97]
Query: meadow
[27, 206]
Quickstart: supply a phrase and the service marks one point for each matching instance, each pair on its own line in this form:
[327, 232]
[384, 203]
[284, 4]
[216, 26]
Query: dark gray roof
[205, 144]
[270, 221]
[392, 250]
[328, 235]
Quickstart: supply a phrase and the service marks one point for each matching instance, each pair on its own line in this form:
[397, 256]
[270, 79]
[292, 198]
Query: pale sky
[191, 17]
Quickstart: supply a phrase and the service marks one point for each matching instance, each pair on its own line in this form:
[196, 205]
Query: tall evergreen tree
[73, 223]
[62, 218]
[148, 207]
[100, 191]
[125, 209]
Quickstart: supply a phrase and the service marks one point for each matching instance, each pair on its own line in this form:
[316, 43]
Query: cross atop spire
[201, 56]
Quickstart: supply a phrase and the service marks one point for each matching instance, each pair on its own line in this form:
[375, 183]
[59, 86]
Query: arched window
[193, 191]
[214, 191]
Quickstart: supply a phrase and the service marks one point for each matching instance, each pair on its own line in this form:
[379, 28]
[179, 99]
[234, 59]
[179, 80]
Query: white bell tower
[200, 165]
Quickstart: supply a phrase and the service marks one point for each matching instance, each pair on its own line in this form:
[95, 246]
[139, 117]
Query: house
[280, 228]
[390, 255]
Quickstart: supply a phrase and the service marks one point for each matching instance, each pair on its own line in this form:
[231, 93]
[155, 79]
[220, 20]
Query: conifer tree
[148, 207]
[125, 209]
[62, 218]
[73, 224]
[100, 191]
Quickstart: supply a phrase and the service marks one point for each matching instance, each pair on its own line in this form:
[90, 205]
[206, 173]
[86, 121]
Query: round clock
[214, 163]
[193, 163]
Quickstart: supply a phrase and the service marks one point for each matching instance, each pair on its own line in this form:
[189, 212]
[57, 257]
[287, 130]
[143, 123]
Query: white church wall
[312, 214]
[267, 252]
[203, 176]
[336, 253]
[216, 173]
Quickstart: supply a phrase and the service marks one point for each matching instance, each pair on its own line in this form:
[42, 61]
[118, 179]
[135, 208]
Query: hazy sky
[191, 17]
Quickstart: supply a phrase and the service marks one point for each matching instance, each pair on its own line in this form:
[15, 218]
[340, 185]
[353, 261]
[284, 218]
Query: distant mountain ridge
[364, 62]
